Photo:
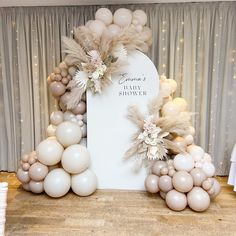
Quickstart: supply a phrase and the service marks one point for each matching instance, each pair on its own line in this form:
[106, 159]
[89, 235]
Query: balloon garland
[96, 51]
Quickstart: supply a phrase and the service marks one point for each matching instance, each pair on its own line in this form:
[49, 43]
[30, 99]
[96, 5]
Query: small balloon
[151, 183]
[209, 169]
[23, 176]
[80, 108]
[98, 27]
[56, 117]
[36, 187]
[217, 188]
[38, 171]
[156, 168]
[163, 195]
[25, 166]
[181, 102]
[198, 176]
[165, 183]
[206, 184]
[25, 158]
[164, 171]
[51, 130]
[170, 109]
[176, 201]
[188, 139]
[180, 143]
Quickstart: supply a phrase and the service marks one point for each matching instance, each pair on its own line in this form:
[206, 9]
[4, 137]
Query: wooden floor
[114, 213]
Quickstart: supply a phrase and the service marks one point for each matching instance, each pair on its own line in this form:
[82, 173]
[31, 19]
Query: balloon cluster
[186, 178]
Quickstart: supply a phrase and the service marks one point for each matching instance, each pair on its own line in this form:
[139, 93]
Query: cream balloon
[56, 117]
[49, 152]
[68, 133]
[188, 139]
[165, 88]
[180, 143]
[164, 171]
[170, 109]
[198, 176]
[25, 158]
[206, 185]
[23, 176]
[181, 102]
[84, 184]
[165, 183]
[51, 130]
[104, 15]
[97, 27]
[207, 158]
[122, 17]
[146, 33]
[191, 130]
[196, 151]
[176, 201]
[75, 159]
[173, 85]
[198, 199]
[68, 115]
[36, 187]
[209, 169]
[113, 30]
[156, 168]
[217, 188]
[25, 166]
[182, 181]
[38, 171]
[151, 183]
[183, 162]
[57, 183]
[140, 16]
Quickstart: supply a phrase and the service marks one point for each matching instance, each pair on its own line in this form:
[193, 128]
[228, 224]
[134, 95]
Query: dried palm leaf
[132, 150]
[155, 105]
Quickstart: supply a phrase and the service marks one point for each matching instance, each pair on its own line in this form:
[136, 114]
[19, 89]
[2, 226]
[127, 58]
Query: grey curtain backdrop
[193, 43]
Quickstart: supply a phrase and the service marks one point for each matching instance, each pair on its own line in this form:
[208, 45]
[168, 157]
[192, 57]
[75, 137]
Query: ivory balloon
[56, 117]
[209, 169]
[57, 88]
[188, 139]
[57, 183]
[83, 142]
[151, 183]
[196, 151]
[198, 176]
[191, 130]
[176, 201]
[38, 171]
[164, 171]
[165, 183]
[181, 102]
[170, 109]
[36, 187]
[25, 166]
[183, 162]
[206, 158]
[23, 176]
[104, 15]
[80, 108]
[49, 152]
[140, 16]
[68, 133]
[75, 159]
[182, 181]
[84, 184]
[217, 188]
[146, 33]
[98, 27]
[206, 184]
[32, 160]
[173, 85]
[166, 88]
[156, 168]
[122, 17]
[51, 130]
[68, 115]
[114, 30]
[84, 130]
[198, 199]
[180, 143]
[25, 158]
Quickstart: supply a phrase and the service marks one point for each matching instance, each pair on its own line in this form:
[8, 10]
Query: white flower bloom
[95, 75]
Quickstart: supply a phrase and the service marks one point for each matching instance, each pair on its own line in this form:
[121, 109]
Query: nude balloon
[36, 187]
[170, 109]
[140, 16]
[26, 187]
[113, 30]
[57, 88]
[209, 169]
[166, 88]
[38, 171]
[188, 139]
[23, 176]
[98, 27]
[68, 133]
[151, 183]
[176, 201]
[180, 143]
[217, 188]
[146, 33]
[165, 183]
[183, 162]
[56, 117]
[68, 115]
[163, 195]
[57, 183]
[51, 130]
[122, 17]
[181, 102]
[156, 168]
[182, 181]
[75, 159]
[80, 108]
[196, 151]
[104, 15]
[84, 184]
[173, 85]
[198, 199]
[198, 176]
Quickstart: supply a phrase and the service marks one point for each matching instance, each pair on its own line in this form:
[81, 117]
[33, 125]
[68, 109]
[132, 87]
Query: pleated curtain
[193, 43]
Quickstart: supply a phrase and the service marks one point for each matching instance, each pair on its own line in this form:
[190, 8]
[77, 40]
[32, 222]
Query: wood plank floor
[113, 213]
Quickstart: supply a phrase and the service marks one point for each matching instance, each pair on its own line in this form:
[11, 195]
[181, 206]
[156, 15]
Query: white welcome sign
[109, 130]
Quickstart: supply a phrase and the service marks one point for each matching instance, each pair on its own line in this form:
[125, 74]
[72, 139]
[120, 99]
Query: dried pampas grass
[136, 116]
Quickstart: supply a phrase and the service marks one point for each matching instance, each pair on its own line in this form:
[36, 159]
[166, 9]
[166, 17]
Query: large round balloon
[198, 199]
[57, 183]
[75, 159]
[151, 183]
[98, 27]
[198, 176]
[140, 16]
[176, 201]
[57, 88]
[170, 109]
[122, 17]
[165, 183]
[183, 162]
[85, 183]
[104, 15]
[68, 133]
[49, 152]
[182, 181]
[56, 117]
[158, 165]
[38, 171]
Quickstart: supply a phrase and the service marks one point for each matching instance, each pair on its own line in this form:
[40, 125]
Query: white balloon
[209, 169]
[85, 183]
[68, 115]
[122, 17]
[189, 139]
[56, 117]
[198, 164]
[84, 130]
[206, 158]
[196, 152]
[140, 16]
[49, 152]
[98, 27]
[104, 15]
[181, 102]
[83, 142]
[68, 133]
[51, 130]
[75, 159]
[183, 162]
[57, 183]
[170, 109]
[88, 23]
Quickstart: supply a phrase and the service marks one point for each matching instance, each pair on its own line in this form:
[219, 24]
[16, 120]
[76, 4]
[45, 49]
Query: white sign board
[109, 130]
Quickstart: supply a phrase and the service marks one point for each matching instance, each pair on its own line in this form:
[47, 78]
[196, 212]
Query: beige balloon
[217, 188]
[23, 176]
[176, 201]
[163, 195]
[206, 184]
[26, 187]
[151, 183]
[122, 17]
[56, 117]
[165, 183]
[156, 168]
[198, 176]
[180, 143]
[182, 181]
[36, 187]
[198, 199]
[84, 184]
[38, 171]
[170, 109]
[51, 130]
[104, 15]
